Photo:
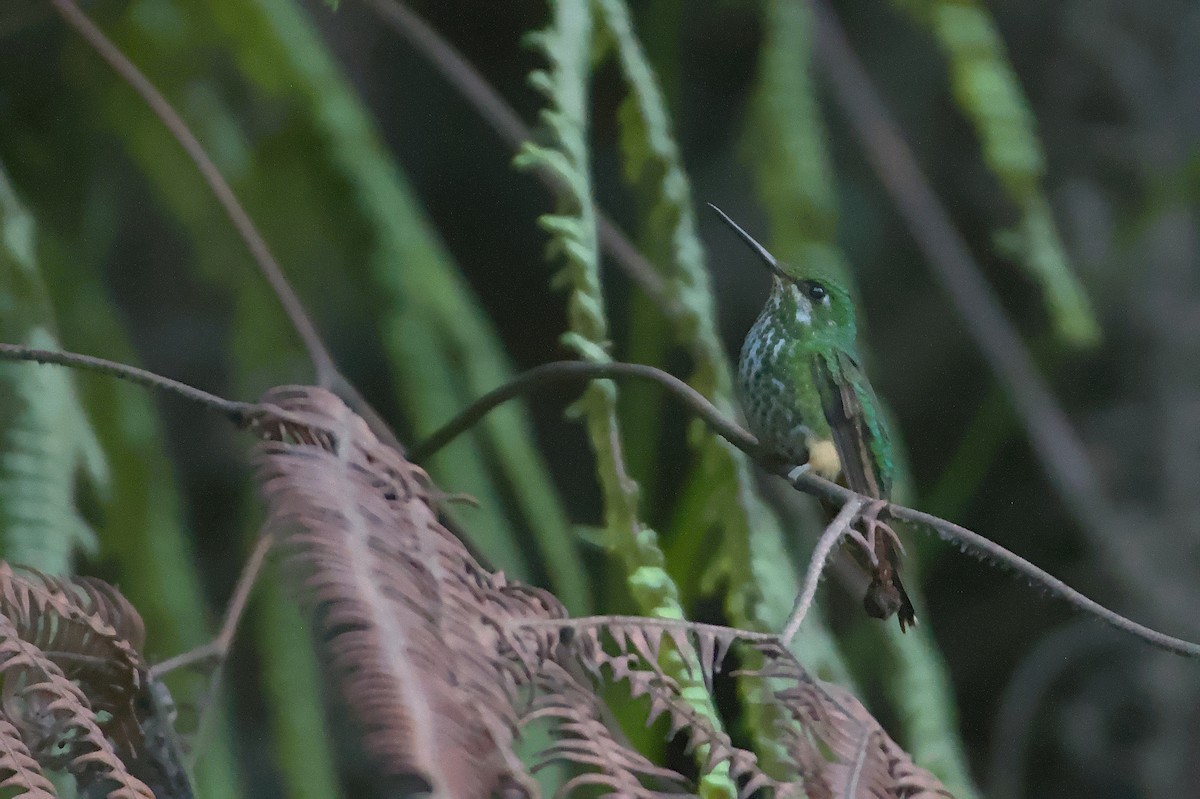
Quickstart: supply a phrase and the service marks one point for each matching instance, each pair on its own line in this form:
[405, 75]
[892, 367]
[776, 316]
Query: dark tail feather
[886, 595]
[906, 615]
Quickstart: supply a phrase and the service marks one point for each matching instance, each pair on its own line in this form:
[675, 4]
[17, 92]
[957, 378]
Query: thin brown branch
[578, 623]
[583, 371]
[326, 370]
[579, 371]
[327, 373]
[816, 565]
[990, 552]
[231, 409]
[508, 125]
[970, 542]
[219, 647]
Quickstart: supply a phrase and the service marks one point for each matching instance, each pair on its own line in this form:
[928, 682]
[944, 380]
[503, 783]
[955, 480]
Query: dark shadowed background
[1050, 704]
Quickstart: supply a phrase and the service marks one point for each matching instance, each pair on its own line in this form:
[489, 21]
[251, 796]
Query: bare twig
[214, 653]
[327, 371]
[970, 542]
[508, 125]
[231, 409]
[990, 552]
[576, 371]
[608, 622]
[219, 647]
[825, 545]
[582, 371]
[1050, 432]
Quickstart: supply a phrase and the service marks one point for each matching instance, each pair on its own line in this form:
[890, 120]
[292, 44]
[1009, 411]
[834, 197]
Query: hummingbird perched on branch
[808, 400]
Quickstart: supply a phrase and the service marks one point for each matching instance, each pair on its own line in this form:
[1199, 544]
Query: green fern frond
[785, 144]
[988, 92]
[46, 440]
[653, 165]
[566, 45]
[573, 238]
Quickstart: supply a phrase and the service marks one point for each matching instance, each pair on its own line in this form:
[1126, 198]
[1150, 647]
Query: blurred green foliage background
[1061, 137]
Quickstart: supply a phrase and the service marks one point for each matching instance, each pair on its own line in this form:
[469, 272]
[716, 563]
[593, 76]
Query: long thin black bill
[762, 251]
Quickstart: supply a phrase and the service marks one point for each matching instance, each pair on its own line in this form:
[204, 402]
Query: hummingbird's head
[807, 295]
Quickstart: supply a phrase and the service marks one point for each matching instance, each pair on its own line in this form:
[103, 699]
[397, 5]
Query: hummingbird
[808, 400]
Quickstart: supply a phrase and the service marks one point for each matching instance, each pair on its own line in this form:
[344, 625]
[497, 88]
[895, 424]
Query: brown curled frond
[582, 739]
[445, 662]
[835, 745]
[92, 633]
[56, 720]
[18, 770]
[400, 605]
[78, 615]
[631, 650]
[576, 655]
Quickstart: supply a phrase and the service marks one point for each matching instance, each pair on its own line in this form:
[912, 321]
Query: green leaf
[988, 92]
[46, 439]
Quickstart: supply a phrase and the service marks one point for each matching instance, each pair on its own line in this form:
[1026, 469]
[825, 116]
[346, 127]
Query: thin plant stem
[968, 541]
[816, 565]
[577, 371]
[582, 371]
[644, 622]
[327, 373]
[237, 412]
[219, 647]
[322, 361]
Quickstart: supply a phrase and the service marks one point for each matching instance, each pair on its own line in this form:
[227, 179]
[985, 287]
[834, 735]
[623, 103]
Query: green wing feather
[852, 411]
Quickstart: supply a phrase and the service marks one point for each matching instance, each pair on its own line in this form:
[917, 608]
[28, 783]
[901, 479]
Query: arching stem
[970, 542]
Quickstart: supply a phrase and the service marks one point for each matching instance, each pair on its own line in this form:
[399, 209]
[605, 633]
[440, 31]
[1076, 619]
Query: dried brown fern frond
[836, 746]
[582, 738]
[56, 720]
[18, 770]
[396, 598]
[445, 662]
[632, 650]
[91, 632]
[77, 640]
[833, 746]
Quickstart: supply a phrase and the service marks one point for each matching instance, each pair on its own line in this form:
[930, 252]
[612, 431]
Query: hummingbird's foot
[872, 524]
[795, 473]
[857, 537]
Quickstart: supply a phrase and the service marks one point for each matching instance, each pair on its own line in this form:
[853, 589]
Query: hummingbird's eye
[815, 291]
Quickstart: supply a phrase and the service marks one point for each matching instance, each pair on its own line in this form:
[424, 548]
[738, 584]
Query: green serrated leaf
[987, 90]
[46, 439]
